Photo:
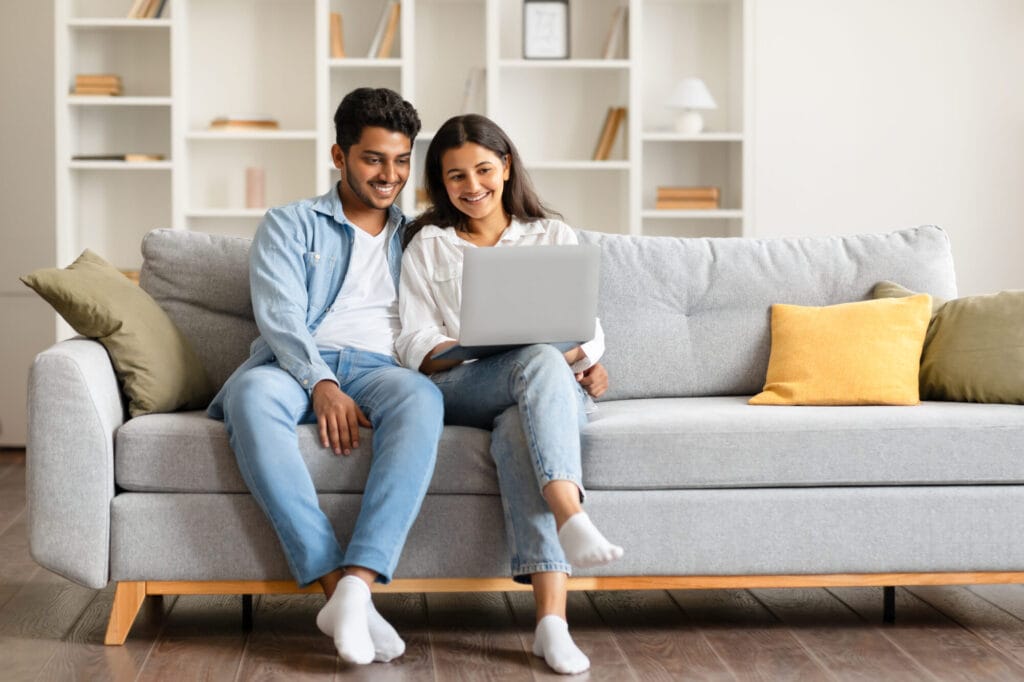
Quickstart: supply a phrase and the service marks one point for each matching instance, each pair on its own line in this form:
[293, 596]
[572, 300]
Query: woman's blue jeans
[531, 400]
[261, 414]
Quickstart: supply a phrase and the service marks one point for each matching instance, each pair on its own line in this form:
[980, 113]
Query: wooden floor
[51, 629]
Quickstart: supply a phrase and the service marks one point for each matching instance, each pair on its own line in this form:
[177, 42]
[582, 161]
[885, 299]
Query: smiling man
[324, 277]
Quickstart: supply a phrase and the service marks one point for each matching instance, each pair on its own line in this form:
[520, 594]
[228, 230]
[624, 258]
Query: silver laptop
[521, 295]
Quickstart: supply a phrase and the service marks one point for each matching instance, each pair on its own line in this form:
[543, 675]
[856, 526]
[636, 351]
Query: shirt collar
[329, 204]
[515, 231]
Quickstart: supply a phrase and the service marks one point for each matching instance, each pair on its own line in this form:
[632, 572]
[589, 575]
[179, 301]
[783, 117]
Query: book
[86, 90]
[337, 37]
[675, 193]
[616, 30]
[156, 8]
[135, 11]
[384, 51]
[606, 140]
[97, 79]
[148, 8]
[471, 90]
[685, 204]
[257, 122]
[133, 157]
[382, 27]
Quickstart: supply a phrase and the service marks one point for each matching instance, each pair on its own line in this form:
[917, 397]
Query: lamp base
[689, 122]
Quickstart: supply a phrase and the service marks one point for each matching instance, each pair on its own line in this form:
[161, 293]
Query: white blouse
[430, 290]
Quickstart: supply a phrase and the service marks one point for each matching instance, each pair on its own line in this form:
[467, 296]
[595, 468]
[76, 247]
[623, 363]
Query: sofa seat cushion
[188, 452]
[722, 442]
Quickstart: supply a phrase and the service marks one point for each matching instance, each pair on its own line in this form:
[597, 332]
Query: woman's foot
[554, 644]
[583, 543]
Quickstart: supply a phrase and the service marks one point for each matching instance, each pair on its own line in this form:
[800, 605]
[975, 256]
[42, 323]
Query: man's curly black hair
[378, 107]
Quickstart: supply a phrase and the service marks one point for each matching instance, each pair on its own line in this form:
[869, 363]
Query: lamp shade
[691, 93]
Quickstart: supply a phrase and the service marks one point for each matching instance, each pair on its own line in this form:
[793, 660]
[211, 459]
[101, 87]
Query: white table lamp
[691, 95]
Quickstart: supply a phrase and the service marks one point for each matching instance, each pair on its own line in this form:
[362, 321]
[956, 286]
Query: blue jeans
[261, 412]
[535, 407]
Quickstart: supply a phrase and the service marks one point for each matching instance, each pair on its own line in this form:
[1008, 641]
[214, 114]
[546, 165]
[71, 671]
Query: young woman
[533, 399]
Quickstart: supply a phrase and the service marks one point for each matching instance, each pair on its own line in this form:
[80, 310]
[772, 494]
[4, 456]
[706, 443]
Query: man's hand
[594, 380]
[338, 417]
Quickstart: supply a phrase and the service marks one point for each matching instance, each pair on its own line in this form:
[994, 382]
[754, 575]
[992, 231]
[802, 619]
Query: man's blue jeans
[536, 408]
[261, 413]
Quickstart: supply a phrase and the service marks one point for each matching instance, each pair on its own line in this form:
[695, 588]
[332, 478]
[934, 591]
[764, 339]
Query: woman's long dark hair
[518, 197]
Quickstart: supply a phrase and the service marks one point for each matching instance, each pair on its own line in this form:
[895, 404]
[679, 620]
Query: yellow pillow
[859, 353]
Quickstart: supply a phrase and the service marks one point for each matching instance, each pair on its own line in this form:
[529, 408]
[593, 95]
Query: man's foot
[345, 618]
[583, 543]
[553, 643]
[387, 645]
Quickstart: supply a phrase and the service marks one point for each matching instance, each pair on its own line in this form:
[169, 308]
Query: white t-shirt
[365, 313]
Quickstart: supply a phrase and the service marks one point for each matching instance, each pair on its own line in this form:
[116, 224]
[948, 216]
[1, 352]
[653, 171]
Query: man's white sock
[345, 618]
[583, 543]
[553, 643]
[387, 645]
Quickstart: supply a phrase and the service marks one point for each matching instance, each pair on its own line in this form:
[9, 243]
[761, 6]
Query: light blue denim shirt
[297, 264]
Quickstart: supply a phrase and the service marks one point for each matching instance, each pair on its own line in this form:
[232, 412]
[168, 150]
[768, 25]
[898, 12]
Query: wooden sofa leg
[128, 600]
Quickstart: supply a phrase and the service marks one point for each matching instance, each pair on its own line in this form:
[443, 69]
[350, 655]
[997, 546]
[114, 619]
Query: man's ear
[338, 157]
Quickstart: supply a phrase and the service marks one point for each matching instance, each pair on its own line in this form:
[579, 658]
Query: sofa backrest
[682, 317]
[691, 317]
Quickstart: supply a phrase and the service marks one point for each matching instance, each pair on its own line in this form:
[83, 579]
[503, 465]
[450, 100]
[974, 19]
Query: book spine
[337, 36]
[709, 193]
[389, 33]
[603, 140]
[378, 35]
[685, 204]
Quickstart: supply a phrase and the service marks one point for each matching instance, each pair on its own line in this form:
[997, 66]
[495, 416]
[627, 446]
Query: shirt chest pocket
[319, 276]
[447, 281]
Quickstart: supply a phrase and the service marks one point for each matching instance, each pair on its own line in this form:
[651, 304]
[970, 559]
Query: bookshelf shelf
[667, 136]
[580, 165]
[226, 213]
[121, 101]
[705, 214]
[364, 63]
[119, 23]
[120, 165]
[267, 135]
[556, 64]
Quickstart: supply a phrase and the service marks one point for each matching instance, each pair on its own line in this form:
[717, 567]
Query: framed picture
[545, 29]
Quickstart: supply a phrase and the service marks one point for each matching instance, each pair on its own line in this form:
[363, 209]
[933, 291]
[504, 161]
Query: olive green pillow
[974, 349]
[156, 366]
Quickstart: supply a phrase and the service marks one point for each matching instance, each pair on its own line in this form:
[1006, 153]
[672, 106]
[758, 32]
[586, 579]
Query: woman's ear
[508, 167]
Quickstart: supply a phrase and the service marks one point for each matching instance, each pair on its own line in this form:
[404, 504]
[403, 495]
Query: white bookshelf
[208, 58]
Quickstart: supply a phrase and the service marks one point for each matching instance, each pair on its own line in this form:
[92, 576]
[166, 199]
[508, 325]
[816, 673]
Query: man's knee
[256, 395]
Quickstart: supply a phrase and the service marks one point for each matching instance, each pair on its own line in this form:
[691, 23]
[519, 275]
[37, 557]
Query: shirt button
[305, 382]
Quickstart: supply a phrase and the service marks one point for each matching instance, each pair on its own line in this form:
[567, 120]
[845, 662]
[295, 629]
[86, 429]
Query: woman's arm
[423, 329]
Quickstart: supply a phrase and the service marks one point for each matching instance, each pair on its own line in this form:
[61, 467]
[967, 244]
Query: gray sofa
[699, 487]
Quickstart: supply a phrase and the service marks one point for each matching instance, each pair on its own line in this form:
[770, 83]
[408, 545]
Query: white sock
[583, 543]
[387, 645]
[345, 618]
[553, 643]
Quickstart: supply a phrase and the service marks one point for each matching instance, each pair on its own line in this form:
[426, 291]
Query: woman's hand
[594, 380]
[573, 356]
[429, 366]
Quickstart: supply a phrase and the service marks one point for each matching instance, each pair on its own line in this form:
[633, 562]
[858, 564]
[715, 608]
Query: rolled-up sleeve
[277, 277]
[423, 327]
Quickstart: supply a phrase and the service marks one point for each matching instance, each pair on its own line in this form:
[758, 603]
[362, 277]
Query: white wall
[27, 324]
[873, 115]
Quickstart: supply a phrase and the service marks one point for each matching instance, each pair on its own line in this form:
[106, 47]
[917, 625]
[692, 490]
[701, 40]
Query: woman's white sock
[345, 618]
[553, 643]
[583, 543]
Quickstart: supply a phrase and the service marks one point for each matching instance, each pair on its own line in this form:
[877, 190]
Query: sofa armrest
[74, 409]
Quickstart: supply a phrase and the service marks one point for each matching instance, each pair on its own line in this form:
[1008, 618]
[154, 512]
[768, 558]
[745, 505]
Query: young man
[324, 275]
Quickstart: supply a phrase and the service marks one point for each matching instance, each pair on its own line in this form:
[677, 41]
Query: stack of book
[606, 141]
[686, 198]
[97, 84]
[244, 123]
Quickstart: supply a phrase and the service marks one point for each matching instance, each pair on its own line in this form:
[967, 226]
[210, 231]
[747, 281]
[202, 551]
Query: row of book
[686, 198]
[383, 38]
[146, 9]
[97, 84]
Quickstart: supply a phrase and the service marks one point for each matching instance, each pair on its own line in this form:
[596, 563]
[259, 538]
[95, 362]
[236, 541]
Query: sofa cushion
[859, 353]
[202, 282]
[723, 442]
[189, 453]
[690, 317]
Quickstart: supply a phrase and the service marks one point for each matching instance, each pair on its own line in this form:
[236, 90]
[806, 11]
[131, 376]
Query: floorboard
[934, 641]
[657, 638]
[285, 642]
